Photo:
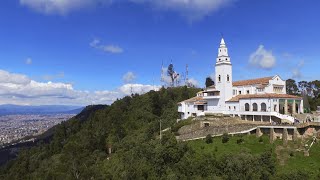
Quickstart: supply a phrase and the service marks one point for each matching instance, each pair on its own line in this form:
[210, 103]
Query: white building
[262, 99]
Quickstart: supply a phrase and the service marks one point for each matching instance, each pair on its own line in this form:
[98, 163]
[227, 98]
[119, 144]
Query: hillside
[130, 129]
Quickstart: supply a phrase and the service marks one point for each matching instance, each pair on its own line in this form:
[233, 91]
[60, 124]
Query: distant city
[14, 128]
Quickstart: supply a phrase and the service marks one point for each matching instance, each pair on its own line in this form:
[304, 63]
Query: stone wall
[201, 127]
[214, 130]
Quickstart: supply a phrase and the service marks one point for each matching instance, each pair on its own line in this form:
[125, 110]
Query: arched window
[219, 78]
[247, 107]
[228, 77]
[263, 107]
[254, 107]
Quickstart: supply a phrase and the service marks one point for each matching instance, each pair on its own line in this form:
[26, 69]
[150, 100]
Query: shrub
[209, 139]
[291, 153]
[225, 138]
[239, 141]
[216, 149]
[260, 139]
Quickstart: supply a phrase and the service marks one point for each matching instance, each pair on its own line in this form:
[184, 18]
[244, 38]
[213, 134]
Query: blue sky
[58, 52]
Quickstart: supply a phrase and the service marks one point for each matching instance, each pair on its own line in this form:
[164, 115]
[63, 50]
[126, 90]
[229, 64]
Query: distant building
[262, 99]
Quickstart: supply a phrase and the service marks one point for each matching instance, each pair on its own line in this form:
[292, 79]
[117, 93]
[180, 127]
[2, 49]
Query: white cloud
[191, 9]
[95, 42]
[296, 72]
[262, 58]
[129, 77]
[61, 7]
[29, 61]
[114, 49]
[10, 78]
[128, 89]
[19, 89]
[193, 82]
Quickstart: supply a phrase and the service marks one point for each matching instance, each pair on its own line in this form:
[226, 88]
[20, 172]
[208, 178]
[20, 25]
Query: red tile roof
[264, 80]
[193, 99]
[267, 95]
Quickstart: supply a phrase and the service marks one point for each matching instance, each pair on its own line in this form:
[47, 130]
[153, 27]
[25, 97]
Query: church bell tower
[223, 75]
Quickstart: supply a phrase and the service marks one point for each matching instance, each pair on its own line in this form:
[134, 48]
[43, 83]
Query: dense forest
[122, 141]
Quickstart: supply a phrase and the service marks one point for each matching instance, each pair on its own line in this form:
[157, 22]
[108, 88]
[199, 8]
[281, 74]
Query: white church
[262, 99]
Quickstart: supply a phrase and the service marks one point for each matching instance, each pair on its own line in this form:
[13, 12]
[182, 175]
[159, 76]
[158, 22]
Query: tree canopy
[209, 82]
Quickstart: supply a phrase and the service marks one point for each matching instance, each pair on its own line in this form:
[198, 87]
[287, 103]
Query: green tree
[225, 138]
[209, 82]
[304, 86]
[291, 87]
[171, 73]
[209, 139]
[315, 87]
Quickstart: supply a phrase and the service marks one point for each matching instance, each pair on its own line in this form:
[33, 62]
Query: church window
[234, 107]
[226, 59]
[255, 107]
[247, 107]
[248, 92]
[263, 107]
[239, 92]
[219, 79]
[228, 77]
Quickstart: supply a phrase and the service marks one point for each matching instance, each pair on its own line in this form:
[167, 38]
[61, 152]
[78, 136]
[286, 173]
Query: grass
[250, 143]
[299, 161]
[288, 159]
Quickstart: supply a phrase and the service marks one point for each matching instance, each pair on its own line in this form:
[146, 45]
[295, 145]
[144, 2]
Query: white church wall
[232, 106]
[244, 90]
[276, 81]
[187, 109]
[212, 105]
[259, 101]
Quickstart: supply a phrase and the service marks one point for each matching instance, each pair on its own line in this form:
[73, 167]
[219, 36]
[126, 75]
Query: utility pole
[186, 80]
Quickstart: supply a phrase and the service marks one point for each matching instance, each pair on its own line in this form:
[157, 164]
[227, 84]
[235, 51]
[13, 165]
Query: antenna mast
[186, 80]
[161, 78]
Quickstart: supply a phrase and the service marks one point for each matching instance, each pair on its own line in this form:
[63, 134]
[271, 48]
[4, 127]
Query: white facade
[255, 97]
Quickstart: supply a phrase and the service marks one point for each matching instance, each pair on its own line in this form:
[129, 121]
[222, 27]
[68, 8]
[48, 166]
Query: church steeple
[222, 43]
[223, 56]
[223, 73]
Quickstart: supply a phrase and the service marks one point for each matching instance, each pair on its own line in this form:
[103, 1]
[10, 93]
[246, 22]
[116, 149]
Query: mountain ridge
[10, 109]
